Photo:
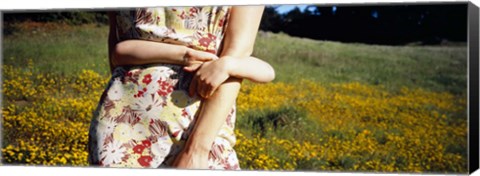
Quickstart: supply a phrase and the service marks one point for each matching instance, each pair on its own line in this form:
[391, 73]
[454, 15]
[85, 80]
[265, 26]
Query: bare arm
[250, 68]
[140, 52]
[238, 42]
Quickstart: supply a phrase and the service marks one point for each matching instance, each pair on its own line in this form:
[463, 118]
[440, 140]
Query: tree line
[395, 24]
[375, 24]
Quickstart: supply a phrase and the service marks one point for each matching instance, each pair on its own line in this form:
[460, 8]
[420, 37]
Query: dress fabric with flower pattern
[145, 114]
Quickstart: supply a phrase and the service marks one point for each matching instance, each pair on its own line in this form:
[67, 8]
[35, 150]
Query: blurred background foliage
[387, 24]
[333, 106]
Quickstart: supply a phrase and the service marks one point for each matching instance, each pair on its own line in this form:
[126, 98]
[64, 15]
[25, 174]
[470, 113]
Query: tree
[271, 20]
[375, 24]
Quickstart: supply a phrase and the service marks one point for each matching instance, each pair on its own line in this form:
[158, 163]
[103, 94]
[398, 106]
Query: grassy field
[332, 107]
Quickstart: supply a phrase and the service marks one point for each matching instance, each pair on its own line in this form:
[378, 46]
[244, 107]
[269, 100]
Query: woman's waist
[139, 74]
[200, 43]
[148, 66]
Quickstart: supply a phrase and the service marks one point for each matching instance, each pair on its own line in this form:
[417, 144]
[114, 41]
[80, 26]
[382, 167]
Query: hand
[194, 58]
[191, 160]
[209, 76]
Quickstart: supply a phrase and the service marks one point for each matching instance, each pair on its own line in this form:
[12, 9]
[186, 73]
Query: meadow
[332, 107]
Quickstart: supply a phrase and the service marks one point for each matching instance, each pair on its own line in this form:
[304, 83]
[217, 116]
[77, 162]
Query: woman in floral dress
[176, 72]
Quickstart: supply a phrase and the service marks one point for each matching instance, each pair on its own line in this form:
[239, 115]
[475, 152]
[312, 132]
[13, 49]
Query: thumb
[188, 69]
[191, 68]
[205, 59]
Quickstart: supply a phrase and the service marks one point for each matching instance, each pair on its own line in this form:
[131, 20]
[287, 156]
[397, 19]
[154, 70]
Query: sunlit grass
[439, 68]
[56, 48]
[333, 106]
[351, 127]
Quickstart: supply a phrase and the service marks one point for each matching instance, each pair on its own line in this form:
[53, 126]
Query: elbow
[248, 52]
[116, 57]
[120, 52]
[121, 49]
[268, 76]
[271, 75]
[237, 51]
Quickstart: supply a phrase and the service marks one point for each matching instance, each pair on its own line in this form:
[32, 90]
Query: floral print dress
[145, 114]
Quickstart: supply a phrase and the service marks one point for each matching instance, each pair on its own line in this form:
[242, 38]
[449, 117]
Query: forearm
[238, 42]
[250, 68]
[140, 52]
[213, 114]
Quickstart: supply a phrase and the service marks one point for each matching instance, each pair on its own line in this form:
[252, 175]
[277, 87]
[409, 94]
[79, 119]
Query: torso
[200, 28]
[145, 113]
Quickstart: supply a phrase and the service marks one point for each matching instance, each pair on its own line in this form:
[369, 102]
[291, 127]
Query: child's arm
[238, 42]
[139, 52]
[212, 74]
[250, 68]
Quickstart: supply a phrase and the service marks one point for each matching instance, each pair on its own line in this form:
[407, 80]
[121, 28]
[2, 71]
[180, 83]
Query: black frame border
[473, 89]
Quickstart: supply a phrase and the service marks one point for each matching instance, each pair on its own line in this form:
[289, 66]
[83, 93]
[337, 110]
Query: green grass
[438, 68]
[65, 50]
[287, 122]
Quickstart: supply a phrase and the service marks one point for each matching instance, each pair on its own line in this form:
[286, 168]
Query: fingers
[207, 91]
[192, 68]
[203, 56]
[199, 87]
[206, 56]
[212, 90]
[203, 88]
[193, 86]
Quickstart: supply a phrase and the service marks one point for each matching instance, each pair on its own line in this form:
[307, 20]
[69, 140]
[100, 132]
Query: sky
[286, 8]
